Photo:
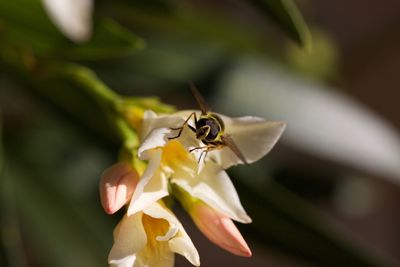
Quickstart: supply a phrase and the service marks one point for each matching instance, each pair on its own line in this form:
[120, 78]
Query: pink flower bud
[116, 186]
[219, 229]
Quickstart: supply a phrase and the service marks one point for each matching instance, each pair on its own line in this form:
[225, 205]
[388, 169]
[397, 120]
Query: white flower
[149, 238]
[72, 17]
[171, 161]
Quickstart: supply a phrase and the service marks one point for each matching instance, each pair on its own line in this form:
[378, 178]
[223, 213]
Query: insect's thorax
[209, 128]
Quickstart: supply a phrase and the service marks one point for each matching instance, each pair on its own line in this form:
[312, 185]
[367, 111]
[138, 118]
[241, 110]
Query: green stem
[131, 140]
[186, 200]
[89, 81]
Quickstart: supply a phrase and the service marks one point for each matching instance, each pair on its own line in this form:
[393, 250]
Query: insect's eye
[203, 131]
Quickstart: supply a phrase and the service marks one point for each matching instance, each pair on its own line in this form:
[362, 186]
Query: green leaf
[201, 28]
[26, 25]
[322, 63]
[109, 40]
[286, 14]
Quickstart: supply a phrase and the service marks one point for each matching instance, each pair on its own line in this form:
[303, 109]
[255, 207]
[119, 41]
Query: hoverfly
[209, 129]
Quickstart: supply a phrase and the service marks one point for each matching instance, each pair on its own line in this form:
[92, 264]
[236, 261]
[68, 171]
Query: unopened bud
[219, 229]
[116, 186]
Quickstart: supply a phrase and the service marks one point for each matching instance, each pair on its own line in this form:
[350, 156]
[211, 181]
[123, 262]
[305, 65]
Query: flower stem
[89, 81]
[111, 101]
[131, 140]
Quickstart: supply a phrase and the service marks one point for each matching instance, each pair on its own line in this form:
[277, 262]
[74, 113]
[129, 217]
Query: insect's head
[202, 132]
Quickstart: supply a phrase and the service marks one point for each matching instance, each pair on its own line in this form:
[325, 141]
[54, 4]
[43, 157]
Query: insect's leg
[192, 128]
[184, 124]
[204, 148]
[197, 148]
[186, 121]
[201, 155]
[195, 123]
[205, 151]
[205, 155]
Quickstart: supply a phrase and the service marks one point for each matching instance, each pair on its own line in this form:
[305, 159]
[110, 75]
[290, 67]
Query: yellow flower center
[154, 251]
[154, 227]
[175, 155]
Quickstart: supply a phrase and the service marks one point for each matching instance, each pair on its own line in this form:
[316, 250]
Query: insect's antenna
[199, 98]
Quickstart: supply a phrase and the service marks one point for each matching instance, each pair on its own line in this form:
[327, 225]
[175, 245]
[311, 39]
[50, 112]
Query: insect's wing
[228, 141]
[199, 98]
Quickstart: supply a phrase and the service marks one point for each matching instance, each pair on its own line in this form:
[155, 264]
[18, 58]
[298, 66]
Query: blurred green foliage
[57, 146]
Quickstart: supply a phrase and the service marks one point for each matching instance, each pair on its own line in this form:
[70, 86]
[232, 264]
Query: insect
[209, 129]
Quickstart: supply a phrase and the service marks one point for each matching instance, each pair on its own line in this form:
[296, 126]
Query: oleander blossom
[171, 162]
[149, 238]
[149, 234]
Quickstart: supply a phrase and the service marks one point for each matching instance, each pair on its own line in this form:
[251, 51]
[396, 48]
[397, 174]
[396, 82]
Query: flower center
[154, 227]
[175, 155]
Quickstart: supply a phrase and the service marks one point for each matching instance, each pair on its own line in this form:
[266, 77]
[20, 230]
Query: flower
[149, 234]
[149, 238]
[116, 186]
[171, 161]
[72, 17]
[217, 227]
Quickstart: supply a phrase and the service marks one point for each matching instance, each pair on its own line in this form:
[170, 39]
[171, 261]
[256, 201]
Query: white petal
[72, 17]
[182, 245]
[149, 119]
[214, 187]
[153, 121]
[153, 185]
[178, 240]
[124, 262]
[161, 256]
[156, 210]
[164, 124]
[254, 137]
[167, 260]
[129, 238]
[156, 130]
[156, 138]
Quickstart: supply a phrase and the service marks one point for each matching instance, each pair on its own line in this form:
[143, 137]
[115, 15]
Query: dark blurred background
[367, 36]
[327, 195]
